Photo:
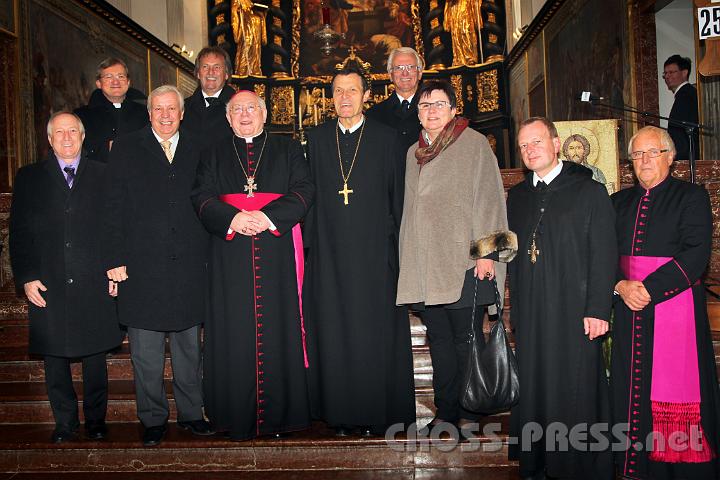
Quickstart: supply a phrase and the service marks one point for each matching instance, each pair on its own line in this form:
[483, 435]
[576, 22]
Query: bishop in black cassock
[561, 295]
[667, 222]
[254, 363]
[359, 347]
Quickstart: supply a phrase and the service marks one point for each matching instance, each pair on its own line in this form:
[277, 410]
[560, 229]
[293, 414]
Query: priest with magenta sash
[252, 190]
[663, 379]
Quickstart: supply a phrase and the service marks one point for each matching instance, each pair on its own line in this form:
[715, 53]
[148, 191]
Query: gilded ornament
[456, 82]
[487, 89]
[281, 99]
[249, 32]
[464, 22]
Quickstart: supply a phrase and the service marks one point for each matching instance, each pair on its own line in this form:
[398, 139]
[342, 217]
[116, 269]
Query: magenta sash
[675, 387]
[256, 202]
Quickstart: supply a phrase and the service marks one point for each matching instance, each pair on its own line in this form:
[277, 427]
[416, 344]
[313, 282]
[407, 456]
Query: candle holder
[326, 35]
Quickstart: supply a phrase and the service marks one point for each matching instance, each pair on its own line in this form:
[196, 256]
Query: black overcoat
[562, 373]
[208, 124]
[103, 122]
[406, 123]
[685, 107]
[54, 239]
[151, 227]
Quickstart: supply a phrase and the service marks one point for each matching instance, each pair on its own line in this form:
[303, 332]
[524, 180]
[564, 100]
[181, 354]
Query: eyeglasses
[109, 76]
[440, 104]
[667, 73]
[250, 109]
[651, 153]
[405, 68]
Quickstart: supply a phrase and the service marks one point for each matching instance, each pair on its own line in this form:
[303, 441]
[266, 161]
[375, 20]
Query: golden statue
[249, 32]
[464, 22]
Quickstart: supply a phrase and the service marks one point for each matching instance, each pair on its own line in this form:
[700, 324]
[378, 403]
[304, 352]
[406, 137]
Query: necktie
[404, 109]
[166, 148]
[70, 175]
[405, 105]
[211, 101]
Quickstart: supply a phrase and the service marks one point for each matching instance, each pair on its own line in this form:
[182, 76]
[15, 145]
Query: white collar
[409, 99]
[353, 128]
[550, 176]
[680, 86]
[173, 140]
[214, 95]
[117, 104]
[250, 139]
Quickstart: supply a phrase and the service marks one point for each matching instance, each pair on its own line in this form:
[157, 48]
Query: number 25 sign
[709, 22]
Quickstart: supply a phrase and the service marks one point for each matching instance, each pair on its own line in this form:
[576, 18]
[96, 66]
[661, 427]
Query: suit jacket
[207, 124]
[151, 227]
[407, 124]
[54, 239]
[685, 107]
[103, 122]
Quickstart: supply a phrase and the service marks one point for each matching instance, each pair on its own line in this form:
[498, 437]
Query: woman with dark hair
[453, 198]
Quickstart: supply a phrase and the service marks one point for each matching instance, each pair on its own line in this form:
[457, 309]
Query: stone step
[404, 473]
[26, 402]
[27, 449]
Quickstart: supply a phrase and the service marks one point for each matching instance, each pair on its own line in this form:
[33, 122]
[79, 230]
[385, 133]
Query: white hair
[404, 50]
[162, 89]
[57, 114]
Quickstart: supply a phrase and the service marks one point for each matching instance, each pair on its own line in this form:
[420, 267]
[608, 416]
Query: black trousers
[447, 332]
[62, 396]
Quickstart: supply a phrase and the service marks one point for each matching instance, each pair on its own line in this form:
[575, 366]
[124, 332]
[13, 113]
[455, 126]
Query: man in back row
[114, 109]
[205, 108]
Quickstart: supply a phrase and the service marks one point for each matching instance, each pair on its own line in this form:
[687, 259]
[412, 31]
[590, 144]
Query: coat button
[171, 176]
[173, 257]
[69, 281]
[67, 210]
[172, 230]
[68, 244]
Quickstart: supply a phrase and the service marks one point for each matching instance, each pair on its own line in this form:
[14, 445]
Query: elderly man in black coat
[56, 212]
[399, 110]
[114, 109]
[205, 108]
[157, 248]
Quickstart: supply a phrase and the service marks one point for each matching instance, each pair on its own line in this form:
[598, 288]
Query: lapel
[150, 143]
[57, 176]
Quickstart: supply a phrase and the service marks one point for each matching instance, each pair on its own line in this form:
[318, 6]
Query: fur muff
[505, 243]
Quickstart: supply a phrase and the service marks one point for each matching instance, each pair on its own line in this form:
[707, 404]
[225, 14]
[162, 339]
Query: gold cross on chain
[345, 192]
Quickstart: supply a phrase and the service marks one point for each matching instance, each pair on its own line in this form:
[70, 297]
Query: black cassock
[254, 372]
[562, 373]
[361, 370]
[677, 223]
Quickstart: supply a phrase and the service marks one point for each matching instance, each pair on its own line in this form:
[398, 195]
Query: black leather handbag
[490, 384]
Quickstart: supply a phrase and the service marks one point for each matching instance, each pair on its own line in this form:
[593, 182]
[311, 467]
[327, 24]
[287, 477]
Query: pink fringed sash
[675, 389]
[256, 202]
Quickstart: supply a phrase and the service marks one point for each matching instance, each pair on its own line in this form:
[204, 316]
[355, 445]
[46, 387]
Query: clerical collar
[353, 128]
[550, 176]
[250, 139]
[117, 104]
[680, 86]
[214, 95]
[409, 99]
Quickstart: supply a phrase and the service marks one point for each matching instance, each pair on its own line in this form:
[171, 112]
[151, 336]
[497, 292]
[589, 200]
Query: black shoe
[342, 432]
[95, 429]
[154, 435]
[197, 427]
[61, 435]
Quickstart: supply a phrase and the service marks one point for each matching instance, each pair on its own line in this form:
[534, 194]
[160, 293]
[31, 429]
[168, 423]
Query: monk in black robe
[663, 367]
[561, 296]
[361, 369]
[252, 190]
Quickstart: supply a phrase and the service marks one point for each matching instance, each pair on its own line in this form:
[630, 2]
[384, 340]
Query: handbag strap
[474, 306]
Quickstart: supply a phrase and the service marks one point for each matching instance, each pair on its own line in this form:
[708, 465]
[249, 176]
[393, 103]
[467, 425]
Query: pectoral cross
[533, 252]
[250, 187]
[345, 192]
